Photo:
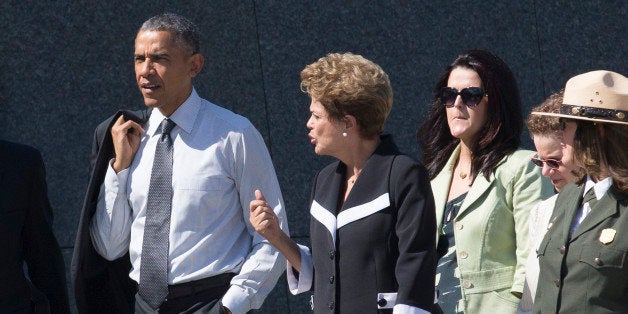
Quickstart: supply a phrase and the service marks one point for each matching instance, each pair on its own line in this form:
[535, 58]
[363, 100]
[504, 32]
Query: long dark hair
[501, 134]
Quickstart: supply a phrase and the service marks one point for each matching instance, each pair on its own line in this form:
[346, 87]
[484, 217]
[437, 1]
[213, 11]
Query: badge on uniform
[608, 235]
[551, 223]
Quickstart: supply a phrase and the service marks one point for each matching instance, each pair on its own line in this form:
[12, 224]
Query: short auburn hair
[547, 125]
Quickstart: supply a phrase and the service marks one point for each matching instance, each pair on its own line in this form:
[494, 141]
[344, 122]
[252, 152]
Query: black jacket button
[382, 302]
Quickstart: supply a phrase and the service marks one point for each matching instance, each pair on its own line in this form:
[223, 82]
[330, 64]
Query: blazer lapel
[328, 189]
[368, 184]
[568, 203]
[440, 186]
[478, 189]
[325, 202]
[605, 207]
[442, 182]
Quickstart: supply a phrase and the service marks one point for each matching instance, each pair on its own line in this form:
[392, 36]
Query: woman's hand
[266, 223]
[264, 219]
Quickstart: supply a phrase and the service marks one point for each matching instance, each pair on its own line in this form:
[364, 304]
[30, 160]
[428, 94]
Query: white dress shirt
[599, 188]
[219, 159]
[540, 217]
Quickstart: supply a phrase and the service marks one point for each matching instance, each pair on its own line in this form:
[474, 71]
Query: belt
[193, 287]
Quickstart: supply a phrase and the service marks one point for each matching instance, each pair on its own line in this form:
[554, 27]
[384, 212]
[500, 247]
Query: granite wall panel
[67, 65]
[580, 36]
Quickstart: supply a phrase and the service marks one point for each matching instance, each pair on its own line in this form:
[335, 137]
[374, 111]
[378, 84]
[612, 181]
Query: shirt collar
[600, 188]
[184, 117]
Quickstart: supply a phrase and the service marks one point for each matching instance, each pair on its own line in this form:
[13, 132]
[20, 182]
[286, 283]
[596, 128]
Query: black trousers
[200, 296]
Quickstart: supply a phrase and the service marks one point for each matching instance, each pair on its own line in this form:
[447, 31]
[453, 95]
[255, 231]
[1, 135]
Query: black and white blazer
[376, 249]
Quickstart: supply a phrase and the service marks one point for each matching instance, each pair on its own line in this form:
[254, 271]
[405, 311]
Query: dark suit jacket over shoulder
[101, 286]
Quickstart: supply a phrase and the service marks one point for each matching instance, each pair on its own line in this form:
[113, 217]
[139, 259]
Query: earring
[344, 134]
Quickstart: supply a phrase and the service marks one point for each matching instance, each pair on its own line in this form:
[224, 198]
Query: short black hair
[184, 31]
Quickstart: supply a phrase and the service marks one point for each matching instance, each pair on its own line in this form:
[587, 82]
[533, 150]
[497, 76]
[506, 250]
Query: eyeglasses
[471, 96]
[552, 163]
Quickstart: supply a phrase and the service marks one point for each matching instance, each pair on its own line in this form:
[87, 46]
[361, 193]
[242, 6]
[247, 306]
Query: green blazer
[491, 230]
[596, 257]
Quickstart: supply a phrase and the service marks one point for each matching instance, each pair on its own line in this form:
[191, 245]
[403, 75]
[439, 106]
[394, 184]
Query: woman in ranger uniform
[372, 224]
[583, 258]
[484, 186]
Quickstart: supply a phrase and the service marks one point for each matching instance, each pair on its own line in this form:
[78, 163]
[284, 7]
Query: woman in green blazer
[483, 185]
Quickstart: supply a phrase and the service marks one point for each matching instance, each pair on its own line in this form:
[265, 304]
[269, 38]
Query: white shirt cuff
[236, 300]
[116, 181]
[407, 309]
[304, 281]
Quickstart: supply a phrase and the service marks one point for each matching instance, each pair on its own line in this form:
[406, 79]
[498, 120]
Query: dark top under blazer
[582, 274]
[380, 241]
[101, 286]
[26, 234]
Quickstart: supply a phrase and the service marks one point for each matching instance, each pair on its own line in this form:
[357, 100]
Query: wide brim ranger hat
[598, 96]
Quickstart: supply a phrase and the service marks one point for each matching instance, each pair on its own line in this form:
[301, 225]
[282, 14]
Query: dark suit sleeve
[101, 286]
[98, 135]
[41, 251]
[416, 231]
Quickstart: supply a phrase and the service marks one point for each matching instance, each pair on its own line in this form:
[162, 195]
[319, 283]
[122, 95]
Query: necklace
[354, 177]
[462, 175]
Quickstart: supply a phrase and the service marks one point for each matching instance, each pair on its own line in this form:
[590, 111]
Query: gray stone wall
[67, 65]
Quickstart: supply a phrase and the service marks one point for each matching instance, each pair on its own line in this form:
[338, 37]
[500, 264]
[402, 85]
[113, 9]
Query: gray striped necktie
[153, 287]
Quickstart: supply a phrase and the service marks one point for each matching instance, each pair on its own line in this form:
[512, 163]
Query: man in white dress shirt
[216, 261]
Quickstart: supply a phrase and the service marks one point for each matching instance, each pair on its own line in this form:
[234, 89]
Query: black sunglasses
[552, 163]
[471, 96]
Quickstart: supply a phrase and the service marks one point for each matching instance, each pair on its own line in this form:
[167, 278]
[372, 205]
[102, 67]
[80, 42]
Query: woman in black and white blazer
[372, 212]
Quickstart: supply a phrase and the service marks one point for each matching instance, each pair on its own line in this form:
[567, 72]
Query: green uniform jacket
[491, 230]
[589, 272]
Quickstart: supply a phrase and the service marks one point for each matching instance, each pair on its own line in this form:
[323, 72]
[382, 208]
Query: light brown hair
[601, 149]
[349, 84]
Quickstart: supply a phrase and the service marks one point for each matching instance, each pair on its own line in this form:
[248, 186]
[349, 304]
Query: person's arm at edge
[42, 253]
[110, 228]
[416, 266]
[528, 189]
[263, 265]
[298, 257]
